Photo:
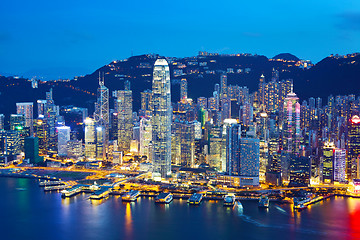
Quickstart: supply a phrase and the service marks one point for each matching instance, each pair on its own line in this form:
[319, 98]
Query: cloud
[349, 21]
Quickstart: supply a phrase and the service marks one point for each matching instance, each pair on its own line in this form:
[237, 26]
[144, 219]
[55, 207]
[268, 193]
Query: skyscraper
[2, 121]
[63, 138]
[41, 107]
[223, 82]
[183, 89]
[32, 150]
[242, 155]
[353, 147]
[101, 116]
[161, 120]
[291, 126]
[90, 139]
[125, 123]
[26, 109]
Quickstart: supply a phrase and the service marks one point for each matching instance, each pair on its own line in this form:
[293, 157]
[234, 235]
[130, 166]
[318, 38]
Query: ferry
[263, 202]
[164, 198]
[229, 200]
[71, 191]
[50, 183]
[131, 196]
[195, 199]
[55, 188]
[99, 194]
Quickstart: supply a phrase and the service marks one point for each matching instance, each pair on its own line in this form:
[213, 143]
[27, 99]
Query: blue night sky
[67, 38]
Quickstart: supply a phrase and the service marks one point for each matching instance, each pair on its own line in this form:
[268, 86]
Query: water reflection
[128, 220]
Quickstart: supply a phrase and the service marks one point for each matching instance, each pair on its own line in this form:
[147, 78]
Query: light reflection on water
[110, 218]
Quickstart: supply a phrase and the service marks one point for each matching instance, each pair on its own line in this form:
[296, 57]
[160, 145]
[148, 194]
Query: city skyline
[85, 36]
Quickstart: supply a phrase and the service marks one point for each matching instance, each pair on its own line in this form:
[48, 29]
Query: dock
[99, 194]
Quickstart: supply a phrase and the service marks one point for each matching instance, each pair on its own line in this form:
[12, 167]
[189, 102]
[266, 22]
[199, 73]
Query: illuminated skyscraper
[41, 106]
[223, 84]
[26, 109]
[145, 137]
[63, 138]
[183, 89]
[41, 131]
[146, 103]
[291, 126]
[90, 139]
[125, 123]
[243, 156]
[161, 119]
[353, 147]
[328, 162]
[2, 121]
[339, 165]
[101, 114]
[261, 90]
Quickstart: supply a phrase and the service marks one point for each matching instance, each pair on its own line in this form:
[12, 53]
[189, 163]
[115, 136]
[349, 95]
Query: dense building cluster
[246, 137]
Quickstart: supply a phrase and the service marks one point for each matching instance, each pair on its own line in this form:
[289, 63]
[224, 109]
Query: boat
[263, 202]
[71, 191]
[50, 183]
[99, 194]
[164, 198]
[195, 199]
[130, 196]
[229, 200]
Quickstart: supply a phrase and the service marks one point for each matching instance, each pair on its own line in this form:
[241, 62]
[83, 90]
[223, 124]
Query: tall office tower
[51, 112]
[243, 95]
[304, 115]
[145, 137]
[63, 138]
[90, 139]
[300, 171]
[291, 128]
[246, 114]
[125, 122]
[353, 147]
[327, 162]
[339, 165]
[26, 109]
[11, 141]
[185, 131]
[223, 84]
[100, 142]
[285, 87]
[114, 126]
[272, 96]
[2, 121]
[183, 89]
[225, 109]
[146, 100]
[41, 131]
[243, 156]
[102, 105]
[264, 159]
[41, 107]
[161, 119]
[202, 102]
[261, 90]
[32, 150]
[74, 149]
